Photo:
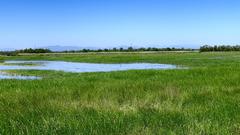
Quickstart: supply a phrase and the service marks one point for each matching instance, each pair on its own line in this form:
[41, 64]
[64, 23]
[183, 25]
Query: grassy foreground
[204, 99]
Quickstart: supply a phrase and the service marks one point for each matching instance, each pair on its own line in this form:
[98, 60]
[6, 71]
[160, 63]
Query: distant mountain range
[7, 49]
[58, 48]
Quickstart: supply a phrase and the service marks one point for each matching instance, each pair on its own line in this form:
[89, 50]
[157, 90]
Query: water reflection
[18, 77]
[79, 67]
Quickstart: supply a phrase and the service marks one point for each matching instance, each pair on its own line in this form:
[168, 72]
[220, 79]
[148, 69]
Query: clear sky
[111, 23]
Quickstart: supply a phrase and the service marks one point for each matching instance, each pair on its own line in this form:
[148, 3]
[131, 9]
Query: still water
[18, 77]
[76, 67]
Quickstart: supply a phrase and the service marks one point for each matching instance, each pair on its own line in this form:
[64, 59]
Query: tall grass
[203, 99]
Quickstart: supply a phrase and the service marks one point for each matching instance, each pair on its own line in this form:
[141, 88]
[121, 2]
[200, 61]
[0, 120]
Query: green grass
[204, 99]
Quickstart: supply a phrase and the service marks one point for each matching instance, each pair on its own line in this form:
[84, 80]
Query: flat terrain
[202, 99]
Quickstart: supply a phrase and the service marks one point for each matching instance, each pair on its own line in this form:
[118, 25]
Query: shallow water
[79, 67]
[18, 77]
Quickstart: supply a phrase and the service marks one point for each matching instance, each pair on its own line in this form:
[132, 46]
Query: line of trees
[216, 48]
[129, 49]
[8, 53]
[30, 50]
[205, 48]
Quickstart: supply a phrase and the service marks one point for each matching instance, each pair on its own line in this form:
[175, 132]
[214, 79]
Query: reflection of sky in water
[79, 67]
[8, 76]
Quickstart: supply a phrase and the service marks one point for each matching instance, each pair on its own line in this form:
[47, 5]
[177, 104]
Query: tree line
[8, 53]
[30, 50]
[205, 48]
[129, 49]
[216, 48]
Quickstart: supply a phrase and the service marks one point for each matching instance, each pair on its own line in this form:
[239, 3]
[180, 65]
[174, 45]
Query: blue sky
[112, 23]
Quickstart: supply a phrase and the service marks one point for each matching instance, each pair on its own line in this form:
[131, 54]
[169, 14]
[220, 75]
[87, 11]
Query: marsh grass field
[203, 98]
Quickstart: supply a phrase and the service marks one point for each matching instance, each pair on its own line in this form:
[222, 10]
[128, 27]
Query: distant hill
[58, 48]
[7, 49]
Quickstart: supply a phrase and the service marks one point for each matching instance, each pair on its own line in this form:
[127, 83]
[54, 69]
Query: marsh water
[75, 67]
[18, 77]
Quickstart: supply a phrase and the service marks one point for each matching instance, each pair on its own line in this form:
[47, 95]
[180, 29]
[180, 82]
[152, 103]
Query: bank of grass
[193, 59]
[203, 99]
[19, 64]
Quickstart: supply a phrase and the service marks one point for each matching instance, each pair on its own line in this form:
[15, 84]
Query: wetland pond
[74, 67]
